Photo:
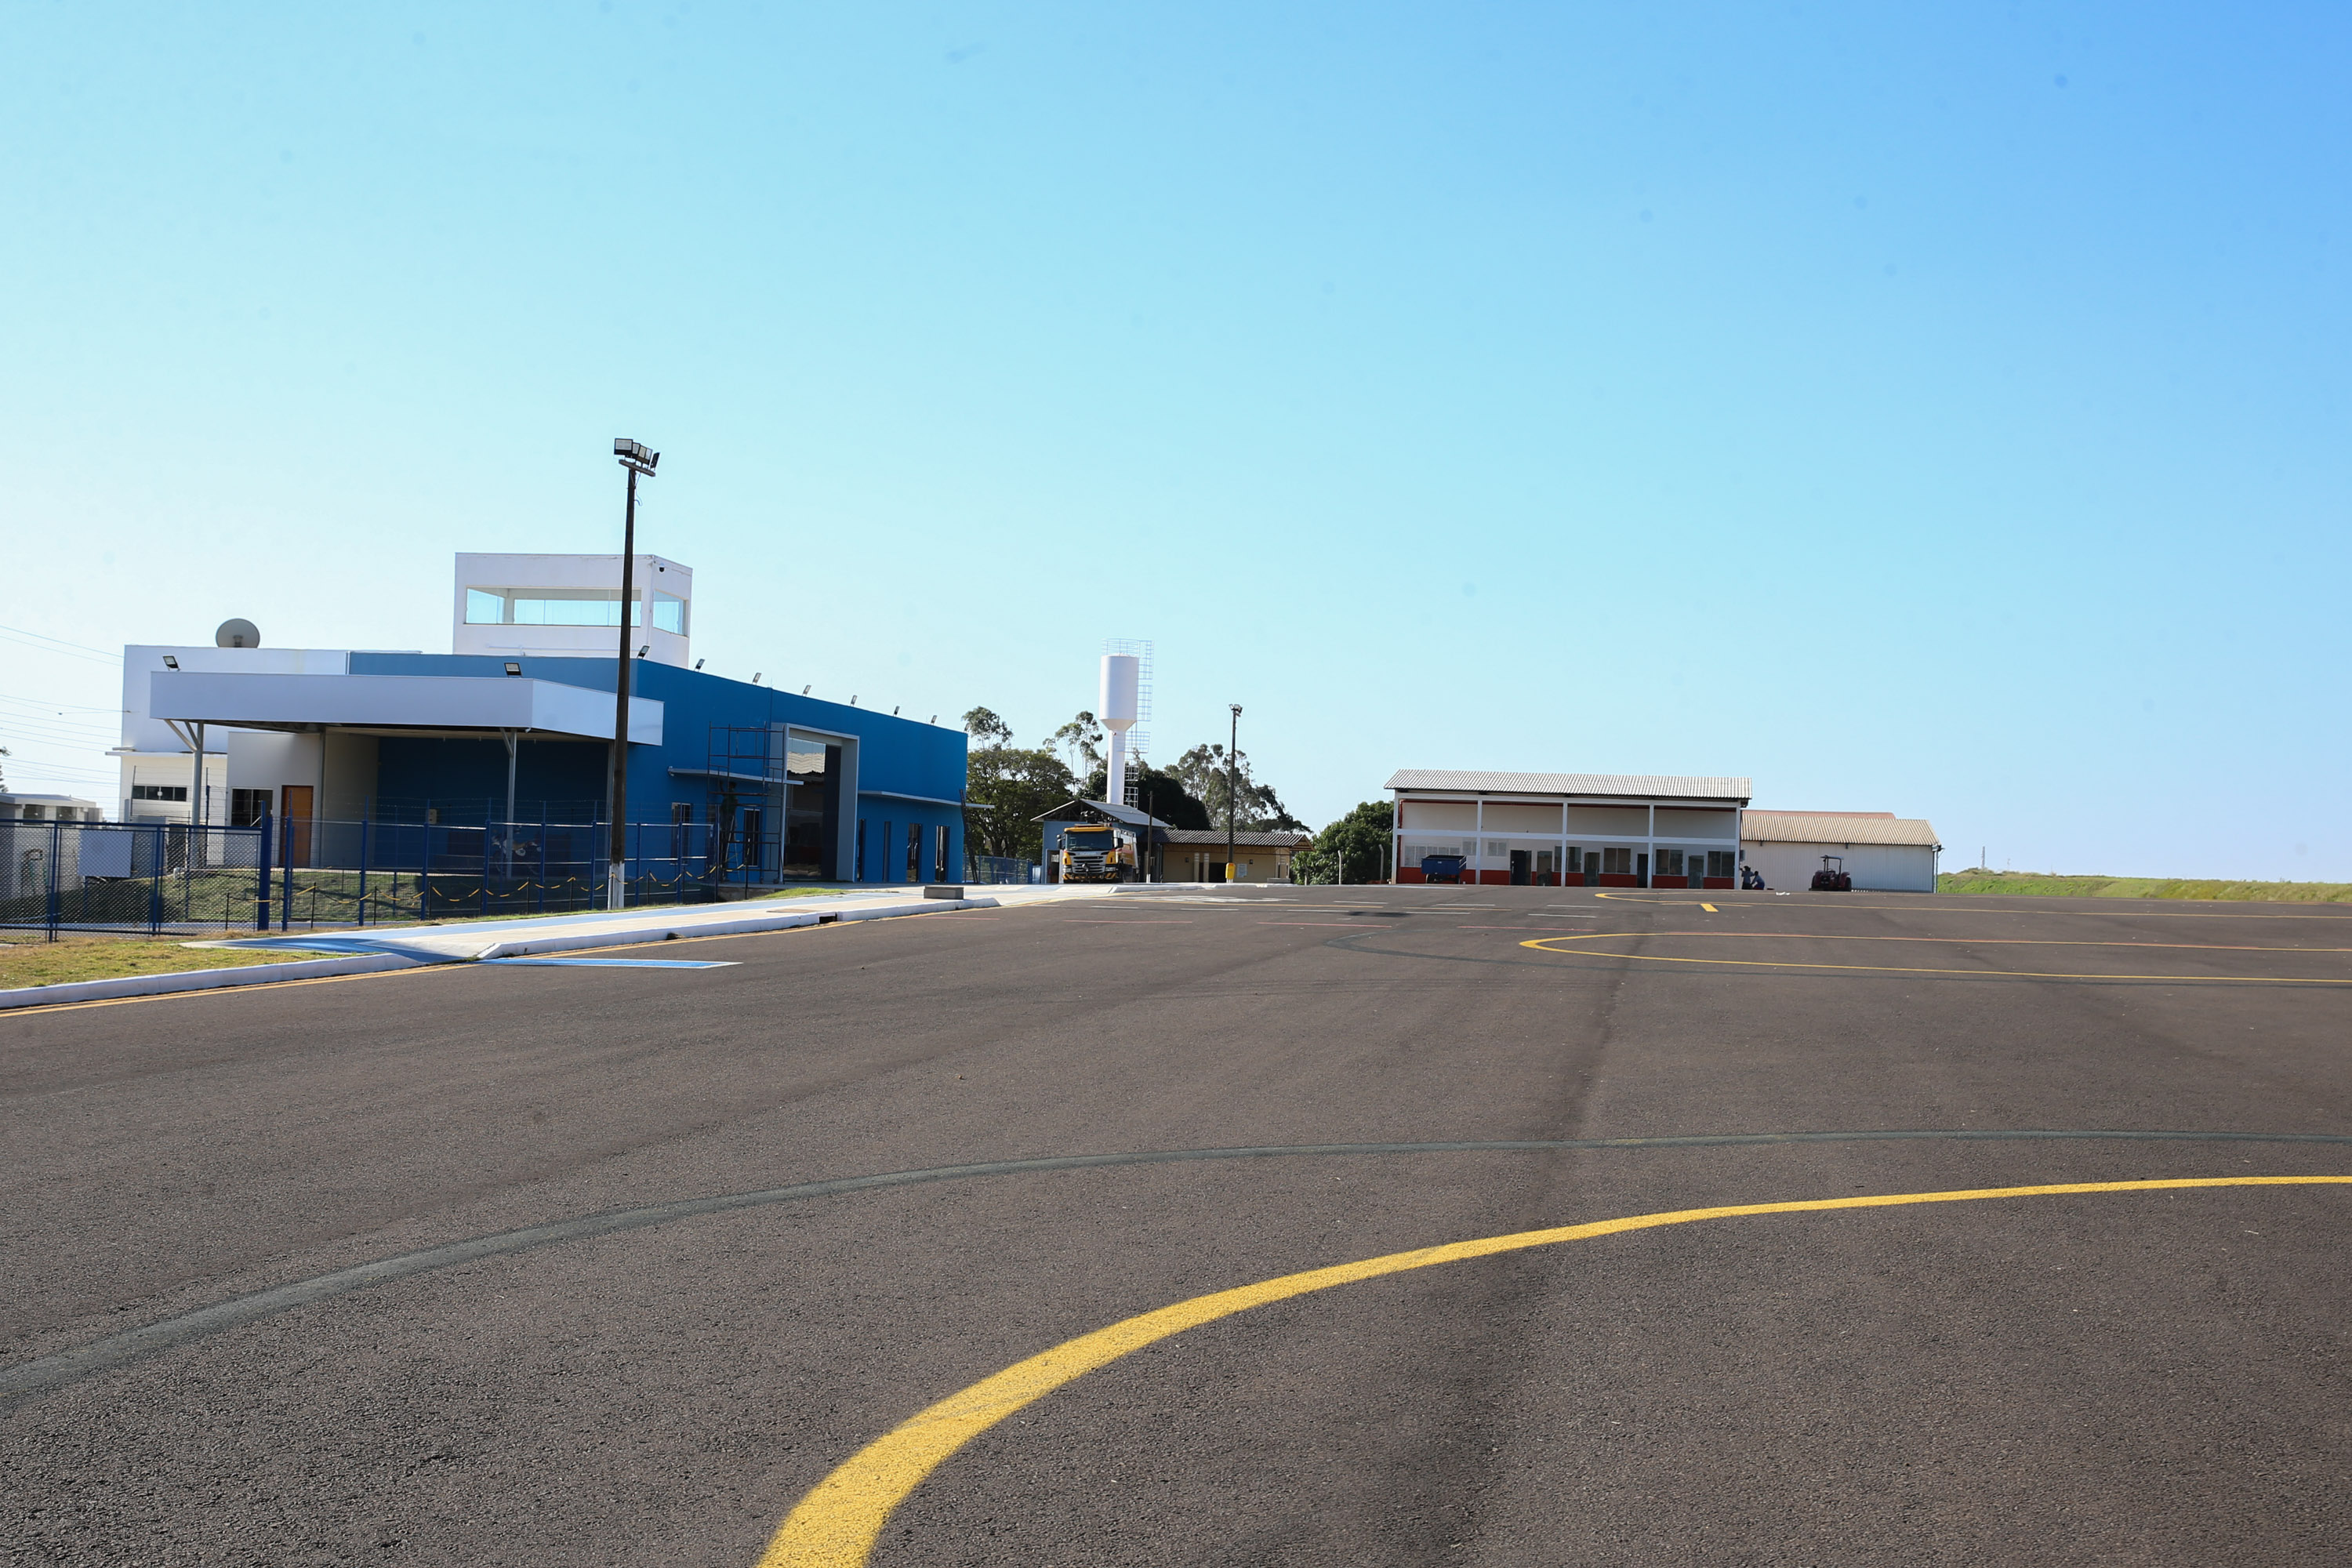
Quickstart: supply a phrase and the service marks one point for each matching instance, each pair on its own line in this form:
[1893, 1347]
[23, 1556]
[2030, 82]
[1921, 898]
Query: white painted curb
[198, 980]
[415, 954]
[741, 925]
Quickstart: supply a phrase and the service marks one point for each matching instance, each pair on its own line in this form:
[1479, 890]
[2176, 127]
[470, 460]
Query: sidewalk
[313, 955]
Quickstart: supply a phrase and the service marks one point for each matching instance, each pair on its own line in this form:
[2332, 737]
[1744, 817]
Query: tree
[1082, 737]
[1008, 788]
[1161, 794]
[1205, 777]
[1357, 843]
[987, 728]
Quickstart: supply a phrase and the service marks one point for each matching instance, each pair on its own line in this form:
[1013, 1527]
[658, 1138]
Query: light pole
[637, 461]
[1232, 785]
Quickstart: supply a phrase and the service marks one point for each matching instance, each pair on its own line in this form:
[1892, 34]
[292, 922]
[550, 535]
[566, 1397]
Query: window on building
[1617, 862]
[569, 607]
[861, 851]
[939, 854]
[755, 851]
[160, 791]
[1718, 863]
[1670, 861]
[914, 852]
[247, 806]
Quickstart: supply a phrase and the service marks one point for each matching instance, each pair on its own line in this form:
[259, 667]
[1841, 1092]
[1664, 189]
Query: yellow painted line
[1946, 906]
[1548, 945]
[1956, 941]
[837, 1523]
[223, 990]
[1710, 909]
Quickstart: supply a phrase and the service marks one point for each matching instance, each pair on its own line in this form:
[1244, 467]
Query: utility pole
[1232, 785]
[637, 461]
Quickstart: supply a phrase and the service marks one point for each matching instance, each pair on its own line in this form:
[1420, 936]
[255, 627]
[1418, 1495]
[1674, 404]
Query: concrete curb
[742, 925]
[198, 980]
[410, 954]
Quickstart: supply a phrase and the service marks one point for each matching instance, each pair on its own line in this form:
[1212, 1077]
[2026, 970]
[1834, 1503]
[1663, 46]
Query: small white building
[26, 841]
[1881, 851]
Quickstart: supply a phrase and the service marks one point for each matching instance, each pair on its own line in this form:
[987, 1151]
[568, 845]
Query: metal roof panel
[1643, 786]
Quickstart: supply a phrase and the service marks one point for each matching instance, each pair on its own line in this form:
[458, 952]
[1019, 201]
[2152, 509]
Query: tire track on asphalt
[63, 1367]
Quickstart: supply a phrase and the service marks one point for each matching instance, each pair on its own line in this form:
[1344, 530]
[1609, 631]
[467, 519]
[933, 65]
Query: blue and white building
[516, 726]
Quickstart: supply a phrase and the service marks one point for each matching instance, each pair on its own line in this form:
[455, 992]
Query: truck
[1097, 852]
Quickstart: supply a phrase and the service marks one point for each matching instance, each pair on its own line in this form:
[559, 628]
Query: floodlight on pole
[1232, 785]
[635, 458]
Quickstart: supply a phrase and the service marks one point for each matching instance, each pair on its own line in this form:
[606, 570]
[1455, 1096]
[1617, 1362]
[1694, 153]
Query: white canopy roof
[406, 704]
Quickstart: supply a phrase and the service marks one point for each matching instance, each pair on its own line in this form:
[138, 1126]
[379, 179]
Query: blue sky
[1940, 411]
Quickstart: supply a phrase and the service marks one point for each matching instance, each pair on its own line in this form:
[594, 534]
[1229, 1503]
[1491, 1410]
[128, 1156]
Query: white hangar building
[1641, 830]
[1881, 851]
[1591, 830]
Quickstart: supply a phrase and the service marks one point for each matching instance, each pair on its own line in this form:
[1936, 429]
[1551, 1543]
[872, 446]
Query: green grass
[27, 960]
[2047, 885]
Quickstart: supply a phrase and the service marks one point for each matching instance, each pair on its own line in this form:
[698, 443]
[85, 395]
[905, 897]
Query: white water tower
[1118, 708]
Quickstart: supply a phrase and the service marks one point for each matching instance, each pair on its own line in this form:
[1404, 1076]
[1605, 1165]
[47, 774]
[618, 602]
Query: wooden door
[296, 846]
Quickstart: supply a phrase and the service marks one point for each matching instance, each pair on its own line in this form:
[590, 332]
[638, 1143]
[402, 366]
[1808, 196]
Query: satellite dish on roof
[237, 632]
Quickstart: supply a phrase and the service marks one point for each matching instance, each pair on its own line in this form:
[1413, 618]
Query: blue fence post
[154, 880]
[261, 888]
[542, 857]
[286, 874]
[55, 906]
[484, 901]
[363, 850]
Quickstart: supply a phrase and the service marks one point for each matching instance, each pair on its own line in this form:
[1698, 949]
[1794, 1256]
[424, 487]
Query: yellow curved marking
[1553, 944]
[837, 1523]
[1839, 902]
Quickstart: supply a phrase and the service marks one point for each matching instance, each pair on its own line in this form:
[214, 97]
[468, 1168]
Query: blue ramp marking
[616, 963]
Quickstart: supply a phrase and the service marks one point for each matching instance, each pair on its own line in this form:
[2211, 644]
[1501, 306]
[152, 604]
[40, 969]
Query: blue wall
[902, 757]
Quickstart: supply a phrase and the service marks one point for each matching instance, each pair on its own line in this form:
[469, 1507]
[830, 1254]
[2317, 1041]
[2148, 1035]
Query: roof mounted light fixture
[513, 668]
[643, 649]
[805, 690]
[634, 455]
[698, 664]
[171, 663]
[755, 678]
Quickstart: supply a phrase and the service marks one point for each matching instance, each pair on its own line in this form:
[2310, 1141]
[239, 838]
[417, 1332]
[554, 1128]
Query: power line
[53, 707]
[64, 649]
[61, 642]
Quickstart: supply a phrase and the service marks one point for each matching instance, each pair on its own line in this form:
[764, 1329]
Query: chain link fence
[124, 876]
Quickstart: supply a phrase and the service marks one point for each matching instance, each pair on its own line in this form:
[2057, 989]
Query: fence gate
[132, 877]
